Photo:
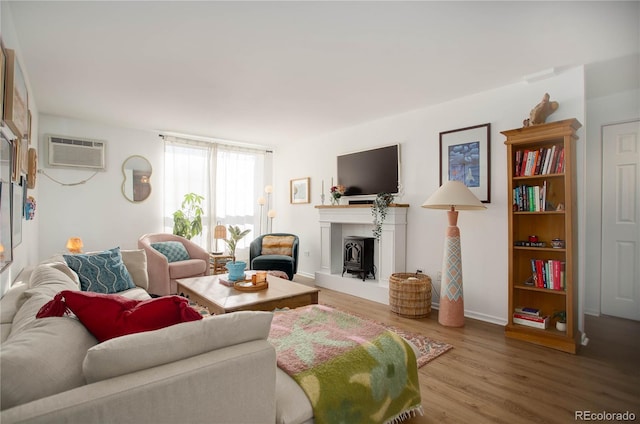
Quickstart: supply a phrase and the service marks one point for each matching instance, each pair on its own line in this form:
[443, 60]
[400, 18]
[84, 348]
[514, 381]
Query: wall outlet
[306, 253]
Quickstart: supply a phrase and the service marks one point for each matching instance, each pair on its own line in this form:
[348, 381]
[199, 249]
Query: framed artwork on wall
[2, 60]
[299, 190]
[465, 156]
[15, 160]
[24, 155]
[6, 197]
[32, 168]
[29, 129]
[16, 102]
[17, 213]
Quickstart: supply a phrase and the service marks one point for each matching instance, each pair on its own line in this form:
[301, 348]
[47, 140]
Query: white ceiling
[275, 72]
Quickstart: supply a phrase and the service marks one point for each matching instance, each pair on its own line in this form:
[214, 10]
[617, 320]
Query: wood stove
[358, 256]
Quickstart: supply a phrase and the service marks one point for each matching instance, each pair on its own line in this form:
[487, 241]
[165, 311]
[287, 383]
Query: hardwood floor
[487, 378]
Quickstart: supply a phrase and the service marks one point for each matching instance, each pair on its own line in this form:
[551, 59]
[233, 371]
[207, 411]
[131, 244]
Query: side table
[217, 263]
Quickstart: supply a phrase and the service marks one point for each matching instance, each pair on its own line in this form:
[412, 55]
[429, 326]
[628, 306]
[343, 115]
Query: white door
[620, 216]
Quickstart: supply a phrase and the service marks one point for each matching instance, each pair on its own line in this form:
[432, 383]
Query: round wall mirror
[136, 186]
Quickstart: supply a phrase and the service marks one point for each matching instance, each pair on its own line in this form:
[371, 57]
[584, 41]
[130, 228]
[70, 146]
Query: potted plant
[187, 222]
[561, 323]
[235, 268]
[379, 212]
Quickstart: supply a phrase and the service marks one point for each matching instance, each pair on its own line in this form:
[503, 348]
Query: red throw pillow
[109, 315]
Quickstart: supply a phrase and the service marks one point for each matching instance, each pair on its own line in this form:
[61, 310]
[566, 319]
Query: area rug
[429, 349]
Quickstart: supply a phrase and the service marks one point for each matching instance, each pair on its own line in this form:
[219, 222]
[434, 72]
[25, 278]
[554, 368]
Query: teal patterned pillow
[173, 250]
[102, 272]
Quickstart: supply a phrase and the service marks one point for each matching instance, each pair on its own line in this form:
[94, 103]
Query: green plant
[379, 212]
[187, 222]
[561, 315]
[235, 236]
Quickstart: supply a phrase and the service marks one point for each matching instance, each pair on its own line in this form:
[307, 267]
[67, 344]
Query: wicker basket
[410, 295]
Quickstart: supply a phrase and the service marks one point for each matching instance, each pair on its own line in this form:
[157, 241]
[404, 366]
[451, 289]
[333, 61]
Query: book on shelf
[548, 274]
[528, 198]
[531, 321]
[527, 310]
[543, 161]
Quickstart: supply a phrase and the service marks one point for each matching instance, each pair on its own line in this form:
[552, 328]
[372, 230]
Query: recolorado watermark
[604, 416]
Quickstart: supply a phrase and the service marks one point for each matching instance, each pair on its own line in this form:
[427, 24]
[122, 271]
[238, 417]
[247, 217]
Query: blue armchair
[275, 252]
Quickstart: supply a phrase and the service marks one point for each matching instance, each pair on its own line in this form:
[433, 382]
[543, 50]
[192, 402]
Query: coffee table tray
[248, 286]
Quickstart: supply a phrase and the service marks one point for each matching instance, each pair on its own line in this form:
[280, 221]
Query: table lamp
[219, 233]
[454, 196]
[74, 245]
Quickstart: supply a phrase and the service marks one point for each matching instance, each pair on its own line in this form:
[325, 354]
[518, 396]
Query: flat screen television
[370, 171]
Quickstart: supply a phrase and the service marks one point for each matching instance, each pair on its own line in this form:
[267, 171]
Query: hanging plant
[187, 222]
[379, 211]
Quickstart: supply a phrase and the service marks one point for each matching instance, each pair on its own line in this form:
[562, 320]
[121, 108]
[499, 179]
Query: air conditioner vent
[68, 152]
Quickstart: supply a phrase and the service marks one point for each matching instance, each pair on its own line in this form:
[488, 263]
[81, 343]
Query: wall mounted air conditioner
[73, 152]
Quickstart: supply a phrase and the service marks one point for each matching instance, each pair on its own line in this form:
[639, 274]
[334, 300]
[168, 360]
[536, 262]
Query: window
[229, 178]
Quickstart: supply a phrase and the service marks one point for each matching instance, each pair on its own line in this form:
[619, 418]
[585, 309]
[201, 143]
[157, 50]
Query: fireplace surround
[341, 221]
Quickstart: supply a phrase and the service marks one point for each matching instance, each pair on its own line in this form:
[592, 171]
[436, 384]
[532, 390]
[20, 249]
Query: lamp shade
[261, 201]
[453, 194]
[220, 232]
[268, 189]
[74, 244]
[271, 213]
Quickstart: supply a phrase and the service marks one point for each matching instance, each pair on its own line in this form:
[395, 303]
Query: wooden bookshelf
[555, 218]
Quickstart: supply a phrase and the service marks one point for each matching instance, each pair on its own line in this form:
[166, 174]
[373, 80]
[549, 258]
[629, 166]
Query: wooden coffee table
[221, 299]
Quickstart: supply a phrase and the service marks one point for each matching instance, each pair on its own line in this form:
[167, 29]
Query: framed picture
[465, 156]
[15, 160]
[6, 237]
[2, 60]
[299, 190]
[16, 102]
[17, 213]
[29, 129]
[24, 156]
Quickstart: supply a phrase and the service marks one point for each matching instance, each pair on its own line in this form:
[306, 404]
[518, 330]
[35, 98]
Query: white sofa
[220, 369]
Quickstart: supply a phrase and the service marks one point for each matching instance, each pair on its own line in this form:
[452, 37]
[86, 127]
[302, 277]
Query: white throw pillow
[134, 352]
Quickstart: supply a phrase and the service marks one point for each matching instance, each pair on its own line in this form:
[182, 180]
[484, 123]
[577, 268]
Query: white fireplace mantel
[337, 222]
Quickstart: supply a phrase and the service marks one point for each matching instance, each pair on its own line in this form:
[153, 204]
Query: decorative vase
[236, 270]
[561, 326]
[335, 200]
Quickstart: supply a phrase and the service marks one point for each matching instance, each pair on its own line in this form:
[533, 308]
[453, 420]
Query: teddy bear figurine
[541, 111]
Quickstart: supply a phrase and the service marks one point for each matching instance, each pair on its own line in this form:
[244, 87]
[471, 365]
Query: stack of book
[549, 274]
[530, 317]
[543, 161]
[529, 198]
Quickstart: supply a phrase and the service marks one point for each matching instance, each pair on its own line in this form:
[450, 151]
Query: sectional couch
[220, 369]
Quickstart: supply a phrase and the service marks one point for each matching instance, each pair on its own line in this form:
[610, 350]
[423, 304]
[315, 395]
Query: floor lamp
[454, 196]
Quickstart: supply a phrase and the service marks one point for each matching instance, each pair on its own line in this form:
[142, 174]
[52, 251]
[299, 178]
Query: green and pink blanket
[352, 370]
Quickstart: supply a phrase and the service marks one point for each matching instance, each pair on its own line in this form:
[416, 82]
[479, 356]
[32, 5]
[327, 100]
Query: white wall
[97, 211]
[484, 234]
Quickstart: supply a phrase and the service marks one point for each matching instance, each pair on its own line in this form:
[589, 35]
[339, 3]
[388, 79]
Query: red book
[560, 167]
[539, 273]
[529, 317]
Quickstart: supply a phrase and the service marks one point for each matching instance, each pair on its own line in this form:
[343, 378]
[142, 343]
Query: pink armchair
[162, 273]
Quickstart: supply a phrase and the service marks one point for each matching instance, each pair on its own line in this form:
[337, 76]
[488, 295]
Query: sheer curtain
[230, 179]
